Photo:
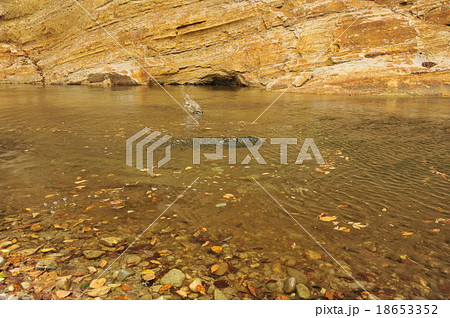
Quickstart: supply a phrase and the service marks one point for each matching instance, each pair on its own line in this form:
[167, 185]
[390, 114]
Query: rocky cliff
[396, 46]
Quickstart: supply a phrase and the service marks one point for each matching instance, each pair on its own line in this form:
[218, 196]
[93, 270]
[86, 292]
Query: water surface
[385, 177]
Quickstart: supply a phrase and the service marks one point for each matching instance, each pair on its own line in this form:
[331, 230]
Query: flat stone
[302, 291]
[133, 259]
[223, 268]
[289, 285]
[168, 229]
[299, 276]
[174, 277]
[289, 261]
[123, 274]
[273, 286]
[277, 268]
[25, 285]
[92, 254]
[370, 246]
[219, 295]
[155, 288]
[312, 255]
[193, 296]
[47, 264]
[110, 241]
[340, 272]
[146, 297]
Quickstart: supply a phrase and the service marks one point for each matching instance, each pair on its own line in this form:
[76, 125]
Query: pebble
[47, 264]
[277, 268]
[63, 283]
[289, 285]
[299, 276]
[223, 268]
[370, 246]
[155, 288]
[302, 291]
[289, 261]
[193, 296]
[312, 255]
[167, 229]
[2, 261]
[193, 286]
[92, 254]
[110, 241]
[133, 259]
[219, 295]
[123, 274]
[25, 285]
[273, 286]
[175, 277]
[340, 272]
[146, 297]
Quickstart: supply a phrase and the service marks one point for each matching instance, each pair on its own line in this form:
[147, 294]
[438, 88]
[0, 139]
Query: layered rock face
[394, 46]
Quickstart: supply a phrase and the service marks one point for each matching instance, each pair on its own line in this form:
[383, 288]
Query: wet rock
[277, 268]
[340, 272]
[219, 295]
[123, 274]
[193, 286]
[63, 283]
[25, 285]
[146, 297]
[110, 241]
[299, 276]
[289, 285]
[49, 236]
[289, 261]
[312, 255]
[222, 268]
[242, 255]
[175, 277]
[92, 254]
[302, 291]
[47, 264]
[168, 229]
[370, 246]
[193, 296]
[133, 259]
[155, 288]
[273, 286]
[2, 261]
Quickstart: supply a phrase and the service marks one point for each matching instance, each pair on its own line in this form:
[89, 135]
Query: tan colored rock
[395, 47]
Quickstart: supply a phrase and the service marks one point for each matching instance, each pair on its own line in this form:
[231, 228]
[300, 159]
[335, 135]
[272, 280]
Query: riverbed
[370, 222]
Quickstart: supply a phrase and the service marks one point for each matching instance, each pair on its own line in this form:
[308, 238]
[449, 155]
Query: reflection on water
[62, 150]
